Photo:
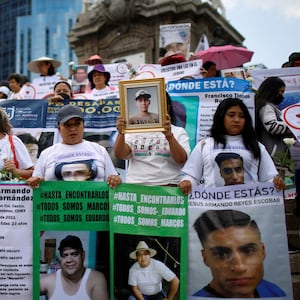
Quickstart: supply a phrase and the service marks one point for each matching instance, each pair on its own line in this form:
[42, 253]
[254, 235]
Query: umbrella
[226, 57]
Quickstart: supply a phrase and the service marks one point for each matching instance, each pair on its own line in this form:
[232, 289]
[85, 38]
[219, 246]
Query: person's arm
[121, 149]
[98, 286]
[177, 151]
[174, 284]
[10, 166]
[270, 122]
[137, 293]
[47, 285]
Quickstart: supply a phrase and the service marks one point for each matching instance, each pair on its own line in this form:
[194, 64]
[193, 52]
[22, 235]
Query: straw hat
[142, 246]
[33, 65]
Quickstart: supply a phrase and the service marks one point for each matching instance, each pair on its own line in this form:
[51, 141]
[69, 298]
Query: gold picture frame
[143, 104]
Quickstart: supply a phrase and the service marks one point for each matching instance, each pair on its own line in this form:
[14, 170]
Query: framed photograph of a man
[143, 104]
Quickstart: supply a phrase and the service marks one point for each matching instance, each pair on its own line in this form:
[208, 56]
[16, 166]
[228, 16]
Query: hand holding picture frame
[143, 104]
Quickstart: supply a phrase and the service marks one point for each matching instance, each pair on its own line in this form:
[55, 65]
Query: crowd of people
[235, 153]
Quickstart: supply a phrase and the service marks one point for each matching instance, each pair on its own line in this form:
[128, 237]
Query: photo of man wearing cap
[143, 116]
[146, 275]
[74, 280]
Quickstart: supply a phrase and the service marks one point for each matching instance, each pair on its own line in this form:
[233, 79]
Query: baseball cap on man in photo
[143, 94]
[70, 241]
[68, 112]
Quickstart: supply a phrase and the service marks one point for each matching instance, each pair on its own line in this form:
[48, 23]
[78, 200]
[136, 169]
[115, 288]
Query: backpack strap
[13, 149]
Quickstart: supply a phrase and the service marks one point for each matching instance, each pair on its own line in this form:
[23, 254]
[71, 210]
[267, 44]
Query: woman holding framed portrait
[154, 157]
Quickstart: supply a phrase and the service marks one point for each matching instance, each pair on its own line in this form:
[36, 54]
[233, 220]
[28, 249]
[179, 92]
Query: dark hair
[71, 241]
[27, 138]
[226, 155]
[208, 64]
[51, 70]
[248, 133]
[178, 118]
[5, 126]
[212, 220]
[267, 91]
[16, 77]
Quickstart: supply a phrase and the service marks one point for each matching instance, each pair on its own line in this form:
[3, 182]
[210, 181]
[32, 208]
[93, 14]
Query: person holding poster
[73, 280]
[46, 67]
[155, 158]
[74, 158]
[146, 275]
[231, 131]
[62, 90]
[234, 252]
[99, 81]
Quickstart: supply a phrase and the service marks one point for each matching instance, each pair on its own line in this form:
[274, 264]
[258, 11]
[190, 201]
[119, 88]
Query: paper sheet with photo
[263, 203]
[76, 208]
[155, 215]
[175, 38]
[16, 241]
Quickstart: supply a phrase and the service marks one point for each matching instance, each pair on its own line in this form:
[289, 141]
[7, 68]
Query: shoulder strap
[13, 149]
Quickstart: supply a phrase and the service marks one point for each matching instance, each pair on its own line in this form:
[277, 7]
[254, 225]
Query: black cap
[70, 241]
[68, 112]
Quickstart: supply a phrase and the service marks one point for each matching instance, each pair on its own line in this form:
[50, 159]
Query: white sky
[270, 28]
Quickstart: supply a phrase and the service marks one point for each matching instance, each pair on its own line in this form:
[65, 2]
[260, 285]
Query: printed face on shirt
[72, 131]
[234, 120]
[75, 172]
[143, 258]
[71, 261]
[232, 171]
[235, 257]
[142, 104]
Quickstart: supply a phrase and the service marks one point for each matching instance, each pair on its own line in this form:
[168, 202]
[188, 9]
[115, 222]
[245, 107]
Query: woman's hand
[34, 182]
[120, 124]
[279, 183]
[114, 180]
[167, 127]
[9, 165]
[186, 186]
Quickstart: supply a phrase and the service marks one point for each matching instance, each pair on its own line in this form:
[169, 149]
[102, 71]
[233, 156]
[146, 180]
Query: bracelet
[168, 138]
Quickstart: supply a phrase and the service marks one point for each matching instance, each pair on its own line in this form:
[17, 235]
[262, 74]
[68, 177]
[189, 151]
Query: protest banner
[195, 101]
[16, 241]
[156, 215]
[76, 208]
[175, 38]
[263, 204]
[291, 78]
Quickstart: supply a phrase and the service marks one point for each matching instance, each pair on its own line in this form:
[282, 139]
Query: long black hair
[267, 91]
[248, 133]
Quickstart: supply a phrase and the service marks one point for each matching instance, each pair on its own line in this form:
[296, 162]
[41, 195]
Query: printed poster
[16, 241]
[154, 215]
[79, 209]
[245, 259]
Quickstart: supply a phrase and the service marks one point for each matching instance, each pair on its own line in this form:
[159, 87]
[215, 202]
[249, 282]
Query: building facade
[34, 28]
[121, 29]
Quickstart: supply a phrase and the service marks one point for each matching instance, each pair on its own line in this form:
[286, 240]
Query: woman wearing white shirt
[99, 79]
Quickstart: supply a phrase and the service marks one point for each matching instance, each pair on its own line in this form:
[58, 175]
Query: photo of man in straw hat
[146, 275]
